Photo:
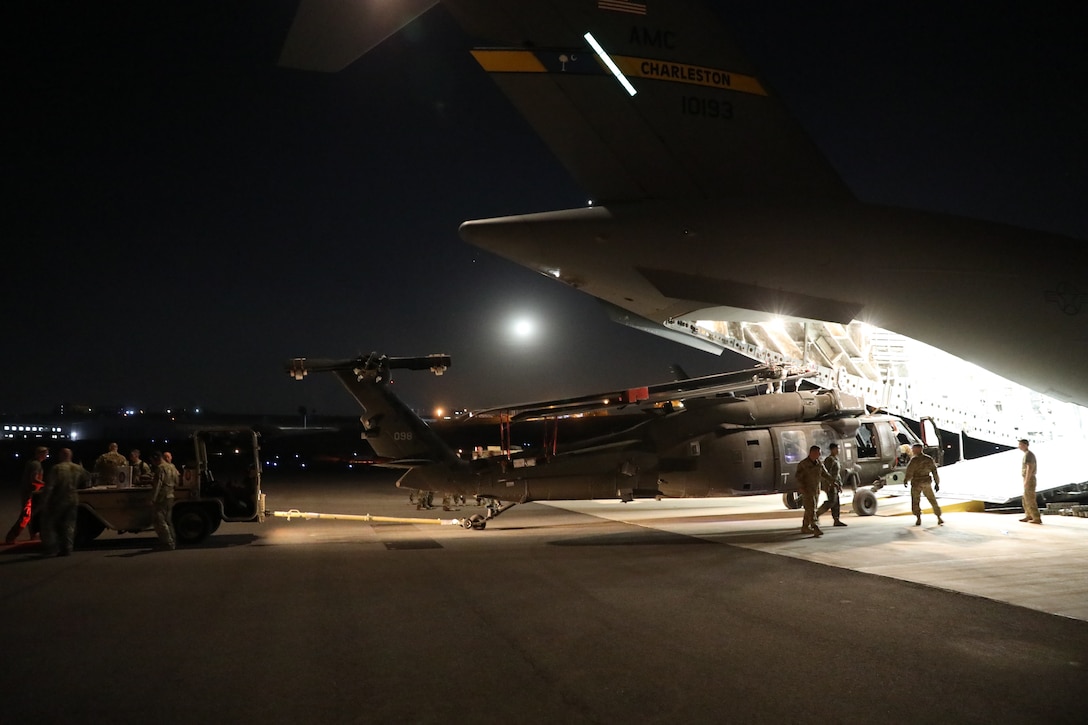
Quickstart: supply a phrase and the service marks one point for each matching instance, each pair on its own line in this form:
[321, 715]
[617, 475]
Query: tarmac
[991, 555]
[694, 611]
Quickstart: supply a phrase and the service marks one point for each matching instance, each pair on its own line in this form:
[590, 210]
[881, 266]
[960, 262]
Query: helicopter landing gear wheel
[864, 502]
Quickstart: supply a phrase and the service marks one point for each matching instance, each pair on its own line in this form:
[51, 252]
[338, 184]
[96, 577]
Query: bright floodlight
[609, 63]
[524, 328]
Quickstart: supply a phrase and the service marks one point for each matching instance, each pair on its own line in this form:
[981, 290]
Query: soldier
[29, 496]
[810, 475]
[107, 465]
[832, 486]
[140, 469]
[1027, 471]
[425, 500]
[60, 500]
[164, 476]
[918, 473]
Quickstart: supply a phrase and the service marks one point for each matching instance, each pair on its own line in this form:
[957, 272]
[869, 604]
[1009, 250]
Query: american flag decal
[622, 6]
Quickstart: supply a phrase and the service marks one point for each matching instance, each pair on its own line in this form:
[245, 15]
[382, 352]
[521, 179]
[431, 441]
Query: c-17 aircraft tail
[702, 126]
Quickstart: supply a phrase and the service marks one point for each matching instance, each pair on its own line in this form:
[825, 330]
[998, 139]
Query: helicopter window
[867, 441]
[793, 445]
[823, 439]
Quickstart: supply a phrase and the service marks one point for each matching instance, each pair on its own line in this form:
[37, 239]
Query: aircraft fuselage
[687, 454]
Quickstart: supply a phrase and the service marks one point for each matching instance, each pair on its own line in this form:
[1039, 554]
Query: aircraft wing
[642, 398]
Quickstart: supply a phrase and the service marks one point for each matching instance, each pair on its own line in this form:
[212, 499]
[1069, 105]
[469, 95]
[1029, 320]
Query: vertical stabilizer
[392, 429]
[690, 118]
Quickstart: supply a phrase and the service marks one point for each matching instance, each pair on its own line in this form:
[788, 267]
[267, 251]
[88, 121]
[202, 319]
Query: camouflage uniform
[1027, 470]
[60, 501]
[425, 500]
[810, 476]
[140, 467]
[108, 464]
[832, 486]
[918, 473]
[29, 497]
[164, 476]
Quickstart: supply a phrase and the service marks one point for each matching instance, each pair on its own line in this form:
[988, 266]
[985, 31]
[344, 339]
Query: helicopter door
[931, 437]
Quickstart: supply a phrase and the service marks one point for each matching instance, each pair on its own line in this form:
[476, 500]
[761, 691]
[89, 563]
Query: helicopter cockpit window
[867, 441]
[823, 438]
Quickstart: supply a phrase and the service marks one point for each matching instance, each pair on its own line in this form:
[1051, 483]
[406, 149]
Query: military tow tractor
[220, 481]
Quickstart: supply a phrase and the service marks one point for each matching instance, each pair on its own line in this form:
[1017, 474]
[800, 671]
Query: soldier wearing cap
[922, 474]
[832, 486]
[810, 475]
[1027, 471]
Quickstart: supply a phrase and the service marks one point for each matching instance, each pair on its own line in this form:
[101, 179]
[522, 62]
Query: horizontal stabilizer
[300, 367]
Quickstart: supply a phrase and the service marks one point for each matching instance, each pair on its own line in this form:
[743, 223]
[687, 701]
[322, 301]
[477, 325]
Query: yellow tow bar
[296, 514]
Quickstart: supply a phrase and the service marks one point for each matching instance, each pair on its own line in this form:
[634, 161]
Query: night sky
[181, 216]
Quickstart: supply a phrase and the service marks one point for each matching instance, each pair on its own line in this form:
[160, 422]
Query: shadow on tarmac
[32, 550]
[150, 545]
[632, 538]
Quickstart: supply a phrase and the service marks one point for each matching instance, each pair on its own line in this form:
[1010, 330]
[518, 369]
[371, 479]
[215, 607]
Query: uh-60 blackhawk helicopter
[700, 437]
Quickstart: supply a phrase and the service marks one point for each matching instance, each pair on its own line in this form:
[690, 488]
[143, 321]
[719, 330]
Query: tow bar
[296, 514]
